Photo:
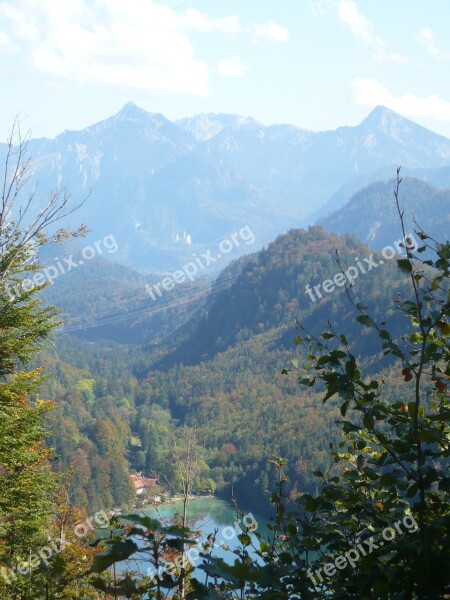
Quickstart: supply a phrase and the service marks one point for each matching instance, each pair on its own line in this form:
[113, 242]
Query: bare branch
[25, 229]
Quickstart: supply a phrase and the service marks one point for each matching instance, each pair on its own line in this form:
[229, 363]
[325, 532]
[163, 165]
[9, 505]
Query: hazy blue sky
[319, 64]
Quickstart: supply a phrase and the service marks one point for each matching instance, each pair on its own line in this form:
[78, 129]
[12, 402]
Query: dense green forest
[119, 405]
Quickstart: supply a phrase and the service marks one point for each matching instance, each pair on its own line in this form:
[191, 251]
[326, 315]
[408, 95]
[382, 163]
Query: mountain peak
[381, 115]
[381, 110]
[131, 111]
[397, 127]
[386, 121]
[132, 114]
[205, 126]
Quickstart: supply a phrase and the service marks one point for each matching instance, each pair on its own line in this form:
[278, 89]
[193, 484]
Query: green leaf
[365, 320]
[344, 408]
[291, 529]
[368, 421]
[245, 539]
[412, 490]
[234, 573]
[408, 306]
[327, 335]
[285, 558]
[144, 520]
[387, 479]
[404, 265]
[117, 551]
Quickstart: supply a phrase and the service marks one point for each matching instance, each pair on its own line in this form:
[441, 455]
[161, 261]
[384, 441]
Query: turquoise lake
[205, 516]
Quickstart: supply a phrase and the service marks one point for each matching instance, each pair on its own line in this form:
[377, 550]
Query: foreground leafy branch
[380, 527]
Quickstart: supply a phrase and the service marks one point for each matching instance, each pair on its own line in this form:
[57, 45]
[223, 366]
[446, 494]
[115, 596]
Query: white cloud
[271, 31]
[350, 16]
[137, 44]
[232, 67]
[6, 45]
[426, 39]
[195, 20]
[370, 93]
[360, 27]
[198, 21]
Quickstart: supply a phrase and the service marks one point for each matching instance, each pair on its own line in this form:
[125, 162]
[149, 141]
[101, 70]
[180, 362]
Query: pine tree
[26, 480]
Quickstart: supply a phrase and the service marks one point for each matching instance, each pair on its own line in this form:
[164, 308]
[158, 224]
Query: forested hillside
[372, 217]
[118, 406]
[100, 299]
[271, 291]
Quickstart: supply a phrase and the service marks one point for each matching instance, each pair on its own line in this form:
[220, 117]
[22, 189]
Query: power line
[164, 303]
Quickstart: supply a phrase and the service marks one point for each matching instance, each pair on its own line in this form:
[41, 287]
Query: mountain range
[167, 190]
[105, 300]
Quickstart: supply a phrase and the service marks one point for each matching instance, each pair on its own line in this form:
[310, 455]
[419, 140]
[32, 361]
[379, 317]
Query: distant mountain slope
[257, 293]
[371, 215]
[270, 293]
[169, 190]
[102, 300]
[439, 177]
